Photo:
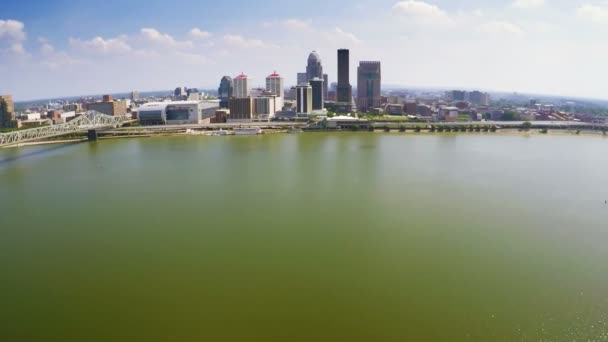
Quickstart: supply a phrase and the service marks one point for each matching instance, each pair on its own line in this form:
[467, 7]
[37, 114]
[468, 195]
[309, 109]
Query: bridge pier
[92, 135]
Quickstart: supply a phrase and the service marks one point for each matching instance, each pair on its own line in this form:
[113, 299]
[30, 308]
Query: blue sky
[63, 48]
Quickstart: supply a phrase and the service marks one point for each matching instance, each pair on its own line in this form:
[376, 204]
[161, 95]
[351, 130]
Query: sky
[57, 48]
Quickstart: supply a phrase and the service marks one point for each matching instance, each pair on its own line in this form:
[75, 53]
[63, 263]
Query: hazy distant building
[344, 89]
[318, 98]
[179, 91]
[302, 78]
[134, 96]
[456, 95]
[479, 98]
[241, 109]
[304, 99]
[369, 78]
[225, 91]
[242, 86]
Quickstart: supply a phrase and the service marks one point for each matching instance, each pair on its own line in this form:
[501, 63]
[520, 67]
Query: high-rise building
[242, 86]
[225, 91]
[368, 86]
[275, 84]
[325, 85]
[302, 78]
[304, 99]
[314, 68]
[9, 104]
[345, 90]
[318, 99]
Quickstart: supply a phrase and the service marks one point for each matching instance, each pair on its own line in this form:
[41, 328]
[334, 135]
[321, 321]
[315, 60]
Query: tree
[526, 125]
[509, 116]
[5, 117]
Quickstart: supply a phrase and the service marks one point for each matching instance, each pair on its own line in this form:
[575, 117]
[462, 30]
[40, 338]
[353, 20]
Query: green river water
[307, 237]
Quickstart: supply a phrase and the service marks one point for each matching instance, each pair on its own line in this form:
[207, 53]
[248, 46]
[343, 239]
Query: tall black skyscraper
[224, 93]
[345, 91]
[317, 93]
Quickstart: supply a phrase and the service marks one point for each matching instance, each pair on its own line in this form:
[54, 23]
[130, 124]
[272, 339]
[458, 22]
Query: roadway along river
[309, 237]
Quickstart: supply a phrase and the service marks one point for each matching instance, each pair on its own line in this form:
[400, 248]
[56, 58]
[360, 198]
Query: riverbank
[376, 130]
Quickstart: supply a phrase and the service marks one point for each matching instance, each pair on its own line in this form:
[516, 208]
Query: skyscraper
[314, 68]
[242, 87]
[225, 91]
[317, 93]
[275, 84]
[368, 86]
[345, 91]
[304, 99]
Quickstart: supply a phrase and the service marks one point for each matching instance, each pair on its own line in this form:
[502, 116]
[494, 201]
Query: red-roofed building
[242, 86]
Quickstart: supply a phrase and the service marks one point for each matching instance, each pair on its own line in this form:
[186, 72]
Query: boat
[221, 132]
[248, 131]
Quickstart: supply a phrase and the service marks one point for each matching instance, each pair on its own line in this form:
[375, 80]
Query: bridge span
[89, 121]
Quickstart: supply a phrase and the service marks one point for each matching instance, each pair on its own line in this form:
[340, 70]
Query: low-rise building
[264, 108]
[448, 113]
[410, 107]
[241, 109]
[177, 112]
[113, 108]
[31, 116]
[394, 109]
[346, 122]
[73, 107]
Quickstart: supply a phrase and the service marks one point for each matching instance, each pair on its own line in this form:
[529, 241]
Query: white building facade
[241, 86]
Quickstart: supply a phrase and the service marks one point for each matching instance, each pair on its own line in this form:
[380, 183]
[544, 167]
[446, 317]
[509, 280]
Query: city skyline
[60, 49]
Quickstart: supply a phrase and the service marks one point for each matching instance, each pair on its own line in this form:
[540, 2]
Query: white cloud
[12, 36]
[528, 4]
[596, 14]
[419, 10]
[338, 35]
[199, 34]
[297, 24]
[101, 45]
[240, 41]
[501, 27]
[152, 35]
[12, 30]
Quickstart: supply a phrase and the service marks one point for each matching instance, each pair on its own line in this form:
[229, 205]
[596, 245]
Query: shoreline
[426, 132]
